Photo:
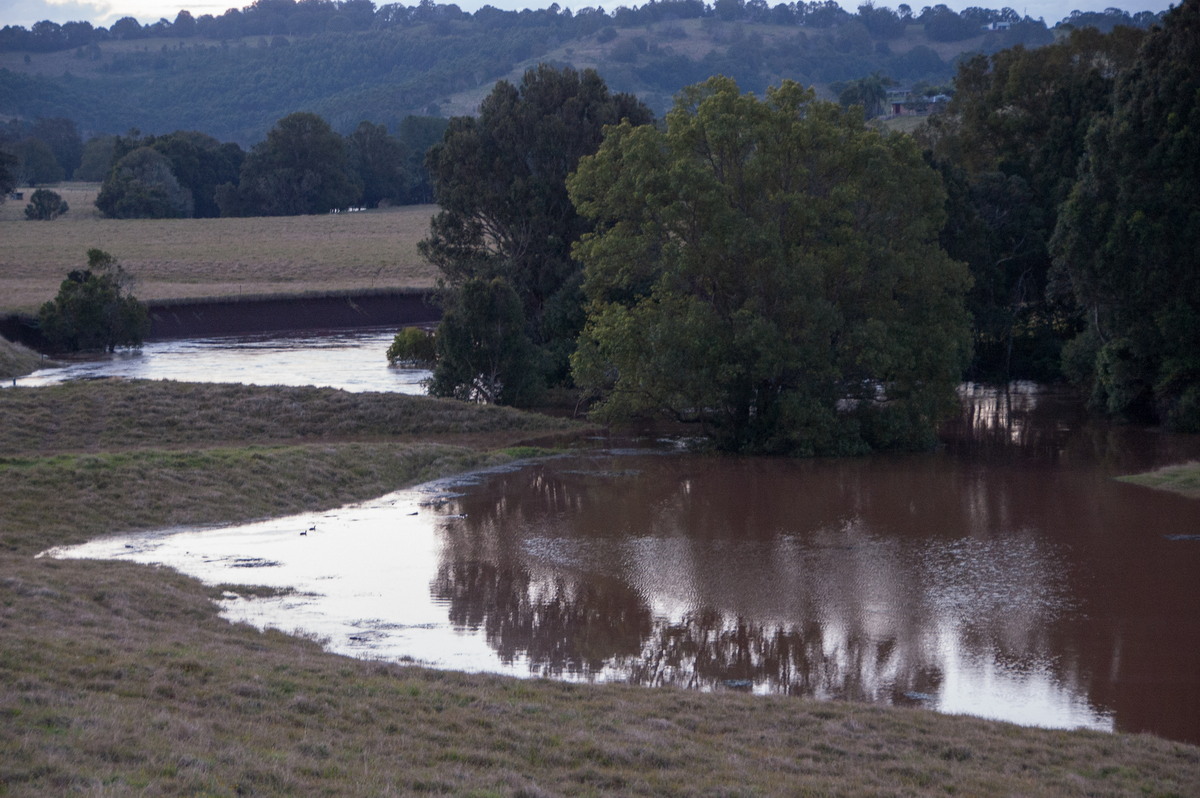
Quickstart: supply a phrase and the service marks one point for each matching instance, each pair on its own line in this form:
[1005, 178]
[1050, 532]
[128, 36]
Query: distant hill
[235, 75]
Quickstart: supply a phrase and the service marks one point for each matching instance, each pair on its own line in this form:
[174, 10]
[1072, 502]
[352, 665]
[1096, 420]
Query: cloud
[27, 12]
[106, 12]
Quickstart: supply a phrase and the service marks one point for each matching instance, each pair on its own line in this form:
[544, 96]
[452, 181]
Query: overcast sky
[105, 12]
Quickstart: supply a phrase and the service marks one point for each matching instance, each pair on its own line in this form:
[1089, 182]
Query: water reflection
[1005, 576]
[351, 360]
[802, 578]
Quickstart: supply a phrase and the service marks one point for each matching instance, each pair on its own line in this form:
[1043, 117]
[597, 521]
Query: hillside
[437, 60]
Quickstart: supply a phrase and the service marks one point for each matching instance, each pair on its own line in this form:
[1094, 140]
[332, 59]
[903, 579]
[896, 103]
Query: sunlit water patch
[352, 360]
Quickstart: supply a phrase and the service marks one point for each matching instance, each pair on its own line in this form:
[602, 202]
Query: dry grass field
[121, 679]
[186, 258]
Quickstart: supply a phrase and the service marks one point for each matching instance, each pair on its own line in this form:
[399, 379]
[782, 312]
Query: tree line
[303, 166]
[313, 17]
[793, 280]
[393, 61]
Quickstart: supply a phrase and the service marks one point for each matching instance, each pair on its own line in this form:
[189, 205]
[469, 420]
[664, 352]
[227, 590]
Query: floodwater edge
[125, 676]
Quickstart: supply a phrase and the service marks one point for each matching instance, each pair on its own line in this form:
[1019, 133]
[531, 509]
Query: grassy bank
[154, 454]
[120, 679]
[17, 360]
[1183, 479]
[183, 258]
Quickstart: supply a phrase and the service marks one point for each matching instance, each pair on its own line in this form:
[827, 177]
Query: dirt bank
[193, 318]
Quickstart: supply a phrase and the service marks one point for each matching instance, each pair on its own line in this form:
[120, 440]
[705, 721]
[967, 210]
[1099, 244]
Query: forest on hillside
[233, 76]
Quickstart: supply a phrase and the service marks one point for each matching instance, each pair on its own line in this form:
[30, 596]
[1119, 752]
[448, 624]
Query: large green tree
[1128, 239]
[142, 185]
[302, 167]
[418, 134]
[172, 175]
[1008, 146]
[62, 137]
[500, 179]
[38, 165]
[770, 269]
[869, 93]
[97, 159]
[380, 161]
[200, 163]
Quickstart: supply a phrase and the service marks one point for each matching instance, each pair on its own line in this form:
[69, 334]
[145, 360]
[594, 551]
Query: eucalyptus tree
[500, 179]
[1008, 145]
[1127, 244]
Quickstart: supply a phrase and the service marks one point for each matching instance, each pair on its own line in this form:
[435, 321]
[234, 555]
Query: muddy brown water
[1006, 575]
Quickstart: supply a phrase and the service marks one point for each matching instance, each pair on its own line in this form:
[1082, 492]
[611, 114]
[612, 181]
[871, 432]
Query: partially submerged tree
[413, 346]
[1127, 244]
[1008, 146]
[769, 269]
[483, 352]
[94, 309]
[500, 180]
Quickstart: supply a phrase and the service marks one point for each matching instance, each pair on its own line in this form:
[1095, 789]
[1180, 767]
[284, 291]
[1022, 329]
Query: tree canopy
[8, 177]
[94, 309]
[143, 186]
[302, 167]
[1008, 146]
[770, 269]
[483, 352]
[500, 180]
[176, 175]
[45, 205]
[1127, 243]
[381, 163]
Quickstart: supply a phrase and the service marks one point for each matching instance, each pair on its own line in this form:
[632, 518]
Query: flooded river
[353, 360]
[1006, 575]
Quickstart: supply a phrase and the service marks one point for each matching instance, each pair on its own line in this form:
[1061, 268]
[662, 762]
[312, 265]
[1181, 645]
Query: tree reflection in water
[1005, 575]
[559, 628]
[840, 580]
[604, 629]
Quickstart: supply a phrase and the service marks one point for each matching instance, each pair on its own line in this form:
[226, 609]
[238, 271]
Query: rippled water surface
[1006, 575]
[352, 360]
